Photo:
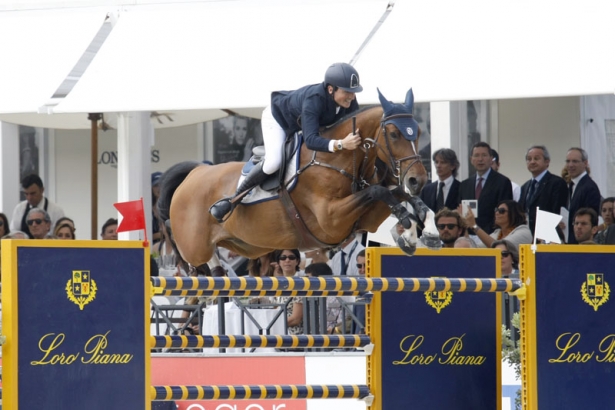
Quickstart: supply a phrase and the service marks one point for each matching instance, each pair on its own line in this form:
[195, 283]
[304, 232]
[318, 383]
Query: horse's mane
[352, 114]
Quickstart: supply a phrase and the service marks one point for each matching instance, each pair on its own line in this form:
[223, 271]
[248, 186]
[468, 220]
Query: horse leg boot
[430, 236]
[402, 214]
[221, 208]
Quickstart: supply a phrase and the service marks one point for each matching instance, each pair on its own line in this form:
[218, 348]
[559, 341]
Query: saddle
[275, 181]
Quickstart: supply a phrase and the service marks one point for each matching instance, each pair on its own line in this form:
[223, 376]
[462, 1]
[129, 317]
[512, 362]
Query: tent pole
[94, 118]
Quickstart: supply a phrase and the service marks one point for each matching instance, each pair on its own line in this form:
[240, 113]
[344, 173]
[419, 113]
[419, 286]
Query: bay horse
[384, 171]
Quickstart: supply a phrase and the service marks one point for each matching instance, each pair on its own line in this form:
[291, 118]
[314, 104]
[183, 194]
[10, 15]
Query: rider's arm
[312, 108]
[310, 115]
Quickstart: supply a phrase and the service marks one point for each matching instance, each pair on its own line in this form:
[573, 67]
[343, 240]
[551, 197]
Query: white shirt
[576, 181]
[54, 211]
[516, 190]
[484, 177]
[448, 182]
[351, 250]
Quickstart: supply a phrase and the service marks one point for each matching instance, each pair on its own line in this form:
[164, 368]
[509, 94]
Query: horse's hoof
[406, 247]
[432, 242]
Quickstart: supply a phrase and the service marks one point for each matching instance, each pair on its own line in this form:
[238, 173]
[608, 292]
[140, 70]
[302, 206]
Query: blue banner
[81, 331]
[440, 350]
[575, 329]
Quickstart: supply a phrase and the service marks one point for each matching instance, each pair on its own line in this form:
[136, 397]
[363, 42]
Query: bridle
[395, 163]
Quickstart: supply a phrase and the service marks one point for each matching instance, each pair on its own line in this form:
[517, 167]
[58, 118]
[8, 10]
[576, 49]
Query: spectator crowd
[484, 210]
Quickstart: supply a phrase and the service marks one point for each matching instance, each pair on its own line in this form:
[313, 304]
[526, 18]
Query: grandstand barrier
[434, 345]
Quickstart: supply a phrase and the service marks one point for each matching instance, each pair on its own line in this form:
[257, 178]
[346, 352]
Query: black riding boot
[253, 179]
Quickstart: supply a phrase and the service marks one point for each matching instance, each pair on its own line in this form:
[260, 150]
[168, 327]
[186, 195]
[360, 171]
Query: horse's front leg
[430, 237]
[408, 240]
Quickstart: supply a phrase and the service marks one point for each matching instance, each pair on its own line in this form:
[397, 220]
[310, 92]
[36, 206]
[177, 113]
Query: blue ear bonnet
[407, 125]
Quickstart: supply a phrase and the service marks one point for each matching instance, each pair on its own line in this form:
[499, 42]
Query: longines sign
[110, 158]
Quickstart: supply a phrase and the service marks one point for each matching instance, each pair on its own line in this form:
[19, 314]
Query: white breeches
[273, 137]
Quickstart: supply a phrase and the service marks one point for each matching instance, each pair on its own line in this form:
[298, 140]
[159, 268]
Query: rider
[306, 109]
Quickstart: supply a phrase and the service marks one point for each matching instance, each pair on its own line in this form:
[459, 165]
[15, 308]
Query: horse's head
[401, 134]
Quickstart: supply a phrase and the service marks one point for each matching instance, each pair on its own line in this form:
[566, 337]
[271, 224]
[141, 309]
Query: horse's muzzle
[415, 184]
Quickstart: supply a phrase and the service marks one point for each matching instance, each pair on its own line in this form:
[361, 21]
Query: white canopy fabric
[483, 50]
[38, 49]
[219, 54]
[195, 59]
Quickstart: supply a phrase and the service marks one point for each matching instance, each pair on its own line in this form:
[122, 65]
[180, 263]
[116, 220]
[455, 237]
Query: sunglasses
[290, 257]
[501, 211]
[1, 222]
[506, 254]
[37, 221]
[450, 227]
[360, 265]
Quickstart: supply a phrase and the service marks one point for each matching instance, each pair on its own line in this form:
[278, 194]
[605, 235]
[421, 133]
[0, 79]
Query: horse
[336, 194]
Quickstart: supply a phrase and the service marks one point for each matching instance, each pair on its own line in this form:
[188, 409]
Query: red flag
[133, 215]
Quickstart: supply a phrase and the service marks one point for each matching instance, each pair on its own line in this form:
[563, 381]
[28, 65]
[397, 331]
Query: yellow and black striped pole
[257, 341]
[260, 392]
[254, 293]
[345, 284]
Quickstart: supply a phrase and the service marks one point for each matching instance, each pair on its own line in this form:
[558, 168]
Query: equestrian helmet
[343, 76]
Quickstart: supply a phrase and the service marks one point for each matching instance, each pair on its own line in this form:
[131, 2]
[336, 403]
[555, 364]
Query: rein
[360, 181]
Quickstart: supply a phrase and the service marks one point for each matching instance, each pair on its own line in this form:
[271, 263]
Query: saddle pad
[258, 195]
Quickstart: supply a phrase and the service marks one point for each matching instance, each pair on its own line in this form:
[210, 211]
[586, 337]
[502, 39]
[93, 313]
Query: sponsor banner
[235, 370]
[570, 295]
[75, 312]
[439, 350]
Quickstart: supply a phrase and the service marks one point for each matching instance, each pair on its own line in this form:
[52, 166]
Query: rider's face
[341, 97]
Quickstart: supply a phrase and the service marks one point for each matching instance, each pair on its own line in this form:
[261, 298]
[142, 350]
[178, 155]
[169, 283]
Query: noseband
[395, 163]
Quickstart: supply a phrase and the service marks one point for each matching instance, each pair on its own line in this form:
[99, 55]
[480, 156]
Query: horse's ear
[410, 100]
[386, 104]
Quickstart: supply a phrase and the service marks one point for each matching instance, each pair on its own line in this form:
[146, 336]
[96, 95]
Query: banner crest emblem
[595, 291]
[438, 300]
[81, 288]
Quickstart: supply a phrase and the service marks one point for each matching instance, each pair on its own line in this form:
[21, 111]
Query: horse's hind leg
[215, 266]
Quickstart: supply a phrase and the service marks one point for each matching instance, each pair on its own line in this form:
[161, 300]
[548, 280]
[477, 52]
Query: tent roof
[483, 50]
[193, 59]
[219, 55]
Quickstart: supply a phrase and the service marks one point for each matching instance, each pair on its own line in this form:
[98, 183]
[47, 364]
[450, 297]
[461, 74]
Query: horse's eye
[394, 134]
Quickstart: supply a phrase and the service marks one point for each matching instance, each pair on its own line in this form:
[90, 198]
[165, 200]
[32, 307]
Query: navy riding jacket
[308, 109]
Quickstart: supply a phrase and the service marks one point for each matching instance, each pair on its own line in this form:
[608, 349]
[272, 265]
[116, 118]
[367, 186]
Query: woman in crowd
[64, 231]
[510, 223]
[510, 257]
[606, 211]
[287, 264]
[4, 225]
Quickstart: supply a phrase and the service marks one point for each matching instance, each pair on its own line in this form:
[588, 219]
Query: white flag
[546, 222]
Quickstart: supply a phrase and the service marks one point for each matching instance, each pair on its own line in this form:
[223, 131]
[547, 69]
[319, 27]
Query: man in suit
[445, 191]
[544, 190]
[487, 186]
[583, 191]
[495, 165]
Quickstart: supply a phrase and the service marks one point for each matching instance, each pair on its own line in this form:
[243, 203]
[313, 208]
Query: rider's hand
[352, 141]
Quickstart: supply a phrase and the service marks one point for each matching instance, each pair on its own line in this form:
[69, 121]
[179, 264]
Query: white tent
[197, 58]
[488, 50]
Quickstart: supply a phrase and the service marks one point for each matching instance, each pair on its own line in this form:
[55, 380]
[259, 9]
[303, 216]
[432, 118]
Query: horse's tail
[169, 181]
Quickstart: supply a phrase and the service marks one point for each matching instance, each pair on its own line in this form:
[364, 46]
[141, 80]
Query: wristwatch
[475, 227]
[338, 145]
